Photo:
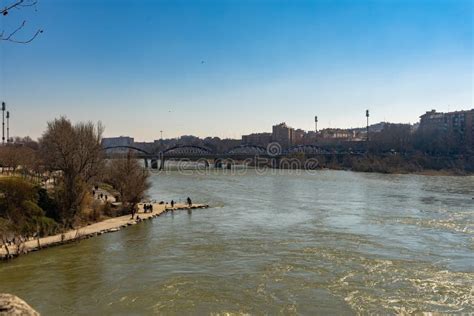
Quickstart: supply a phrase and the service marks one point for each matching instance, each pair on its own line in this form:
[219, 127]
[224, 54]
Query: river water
[274, 242]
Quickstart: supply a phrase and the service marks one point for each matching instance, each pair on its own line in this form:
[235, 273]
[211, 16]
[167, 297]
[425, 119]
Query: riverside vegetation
[397, 148]
[46, 187]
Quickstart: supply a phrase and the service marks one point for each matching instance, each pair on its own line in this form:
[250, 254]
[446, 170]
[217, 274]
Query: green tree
[21, 216]
[48, 204]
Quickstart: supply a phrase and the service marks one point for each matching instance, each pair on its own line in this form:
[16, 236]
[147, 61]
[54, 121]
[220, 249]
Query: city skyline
[297, 136]
[263, 131]
[227, 69]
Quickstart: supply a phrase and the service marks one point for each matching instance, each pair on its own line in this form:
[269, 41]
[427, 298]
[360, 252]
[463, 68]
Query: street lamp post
[367, 115]
[4, 107]
[8, 127]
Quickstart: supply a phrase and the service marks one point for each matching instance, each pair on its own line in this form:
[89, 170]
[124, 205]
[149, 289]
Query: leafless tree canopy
[76, 152]
[11, 157]
[129, 179]
[8, 8]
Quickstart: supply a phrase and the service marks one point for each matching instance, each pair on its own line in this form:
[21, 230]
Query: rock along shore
[11, 305]
[106, 226]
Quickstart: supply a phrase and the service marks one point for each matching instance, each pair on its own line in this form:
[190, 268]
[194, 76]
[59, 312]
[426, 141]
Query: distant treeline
[401, 139]
[397, 148]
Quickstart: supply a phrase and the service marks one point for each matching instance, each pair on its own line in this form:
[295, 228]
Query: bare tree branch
[5, 10]
[33, 3]
[11, 36]
[21, 42]
[13, 33]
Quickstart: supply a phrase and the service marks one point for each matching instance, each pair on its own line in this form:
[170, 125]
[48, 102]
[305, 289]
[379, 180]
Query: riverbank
[106, 226]
[398, 164]
[401, 171]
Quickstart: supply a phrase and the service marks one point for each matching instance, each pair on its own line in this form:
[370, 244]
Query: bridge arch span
[247, 149]
[187, 150]
[307, 149]
[128, 147]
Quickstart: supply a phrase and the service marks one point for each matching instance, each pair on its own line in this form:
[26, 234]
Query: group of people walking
[147, 208]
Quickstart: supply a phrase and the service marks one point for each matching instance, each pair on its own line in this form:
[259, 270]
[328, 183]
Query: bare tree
[130, 179]
[11, 36]
[393, 136]
[76, 152]
[12, 157]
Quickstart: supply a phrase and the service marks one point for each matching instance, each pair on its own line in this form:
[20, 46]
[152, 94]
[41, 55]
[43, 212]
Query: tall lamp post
[8, 127]
[316, 124]
[4, 107]
[367, 115]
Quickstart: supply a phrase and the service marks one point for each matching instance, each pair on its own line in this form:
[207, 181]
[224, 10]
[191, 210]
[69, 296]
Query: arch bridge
[145, 155]
[194, 152]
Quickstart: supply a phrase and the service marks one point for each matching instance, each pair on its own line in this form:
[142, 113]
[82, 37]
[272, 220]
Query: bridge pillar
[146, 163]
[162, 162]
[206, 164]
[217, 163]
[154, 164]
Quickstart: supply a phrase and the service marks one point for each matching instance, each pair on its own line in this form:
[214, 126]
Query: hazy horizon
[227, 68]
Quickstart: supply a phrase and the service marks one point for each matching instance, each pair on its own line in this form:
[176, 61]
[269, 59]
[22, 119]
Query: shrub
[19, 209]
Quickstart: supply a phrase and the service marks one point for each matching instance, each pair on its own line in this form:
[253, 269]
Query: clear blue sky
[137, 65]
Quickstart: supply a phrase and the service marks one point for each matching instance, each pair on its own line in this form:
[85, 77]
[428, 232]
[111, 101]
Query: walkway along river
[106, 226]
[274, 242]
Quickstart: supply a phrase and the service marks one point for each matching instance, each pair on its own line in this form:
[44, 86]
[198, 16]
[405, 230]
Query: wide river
[275, 242]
